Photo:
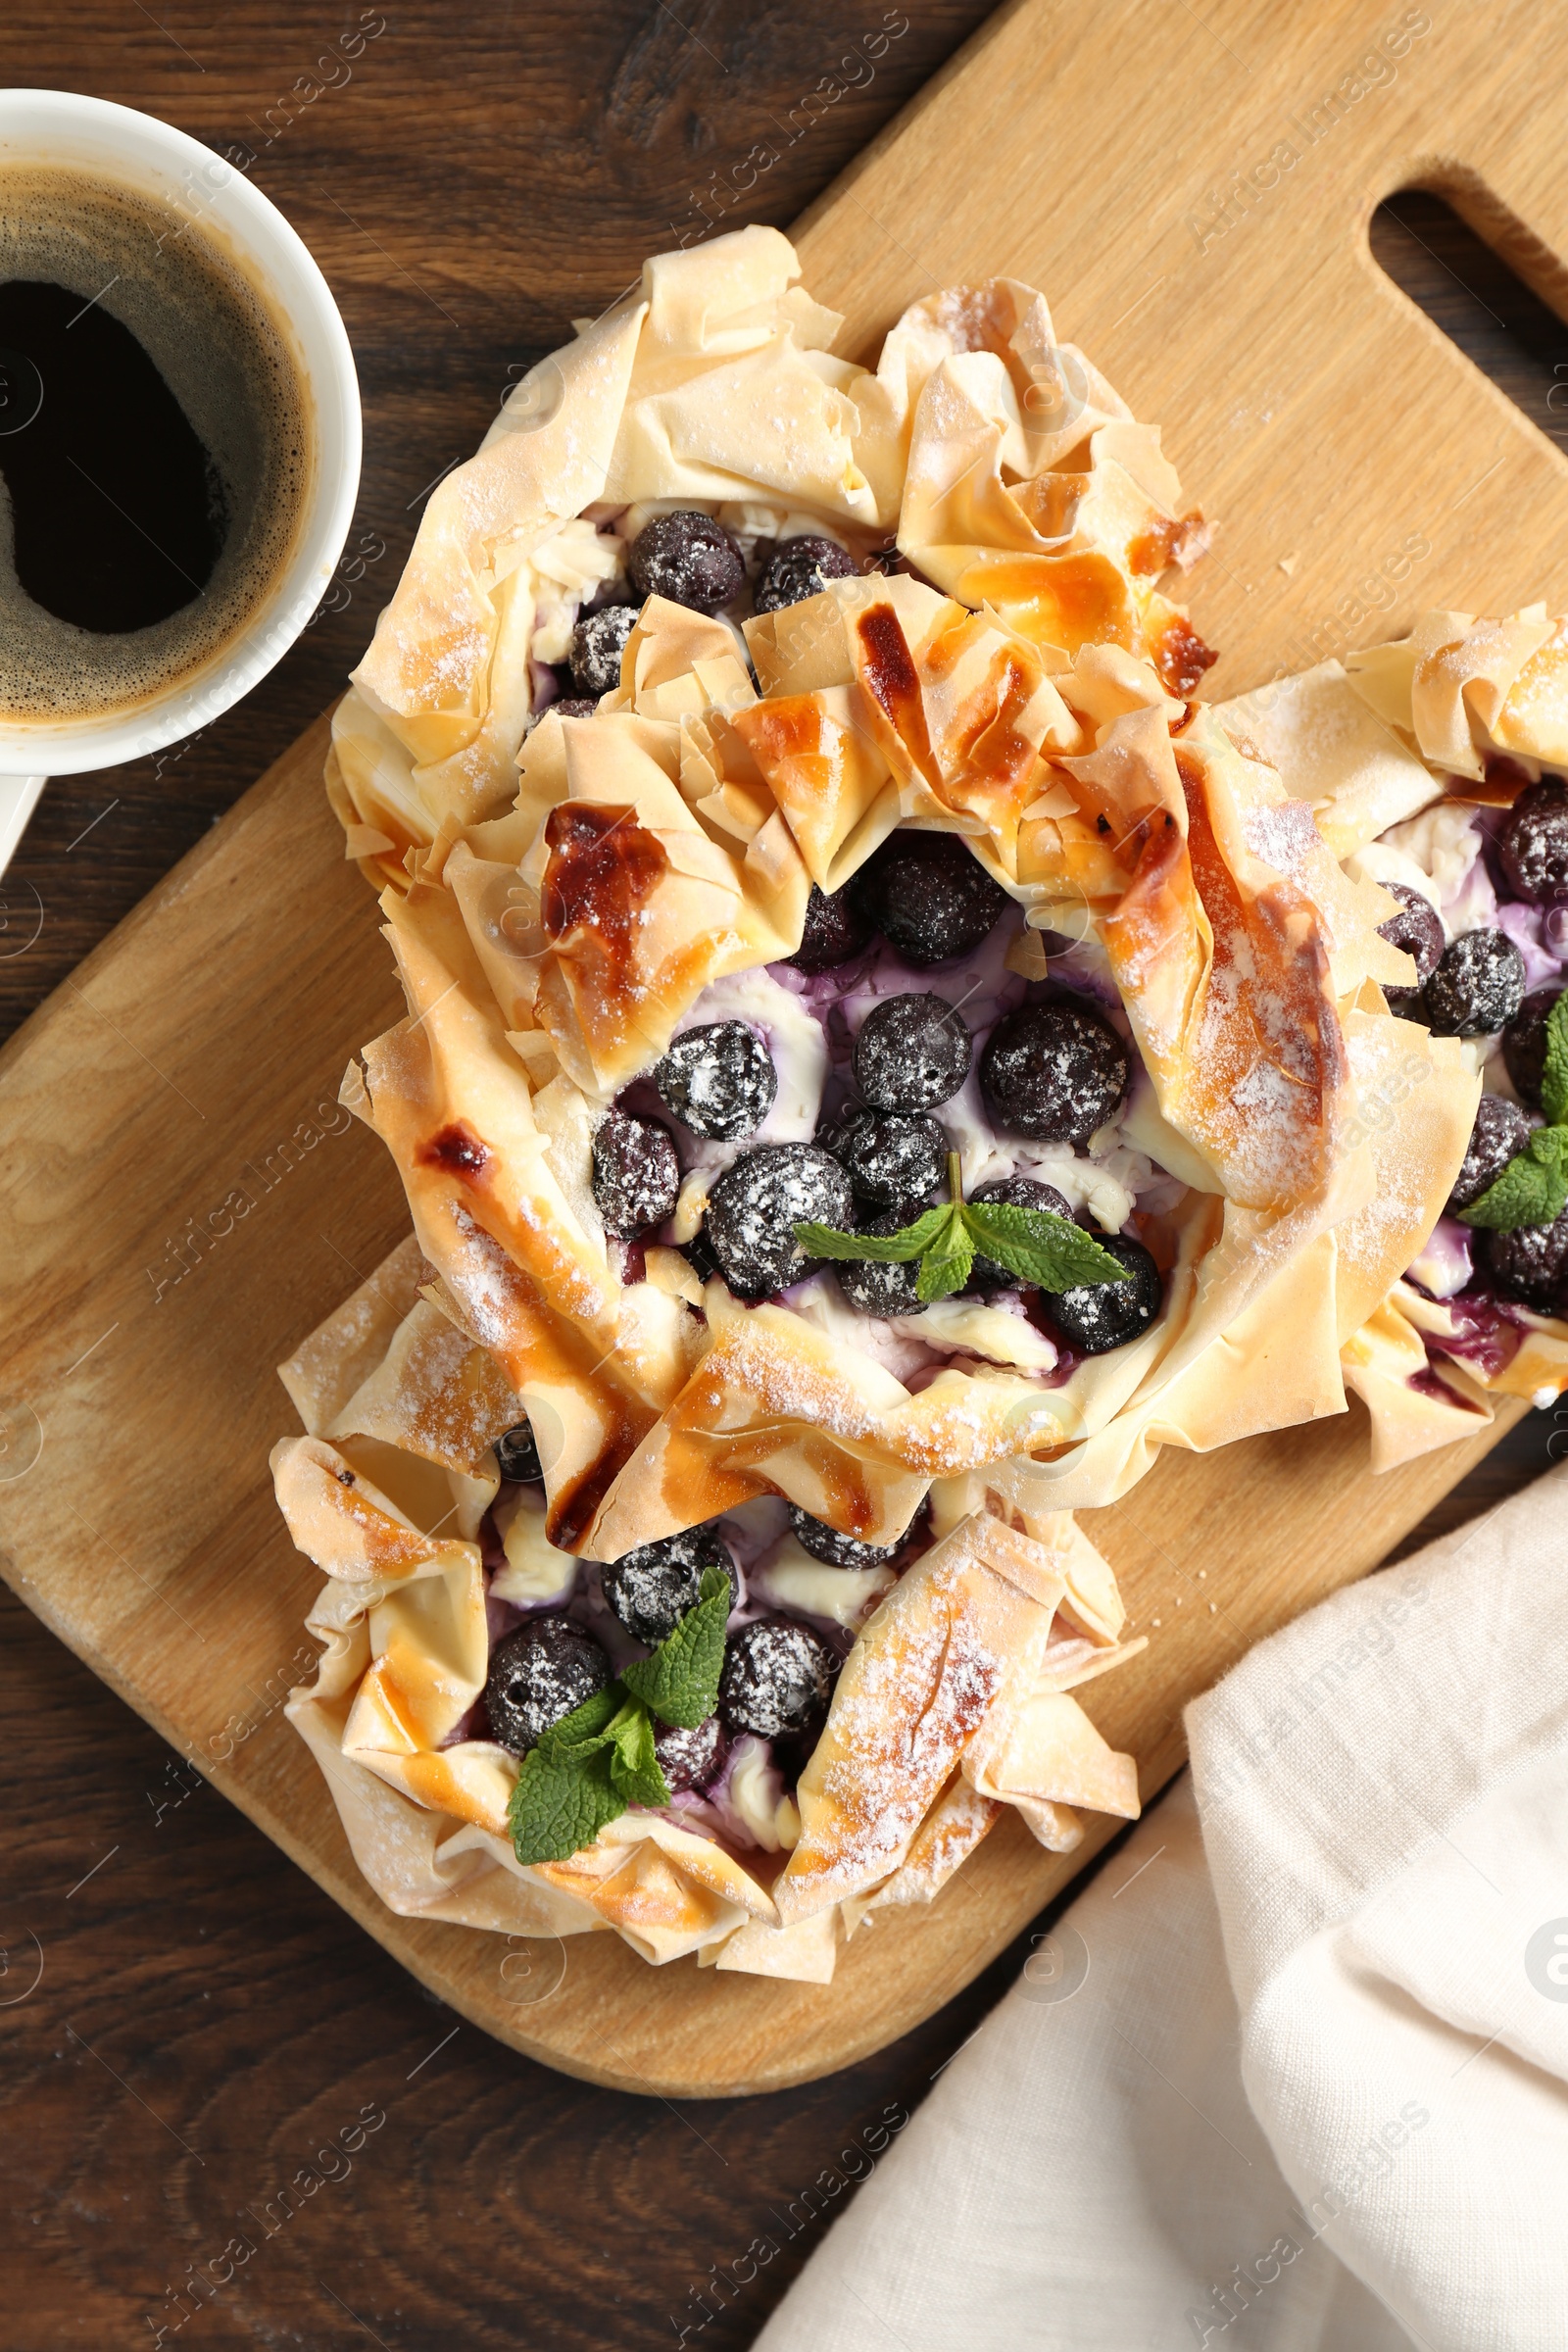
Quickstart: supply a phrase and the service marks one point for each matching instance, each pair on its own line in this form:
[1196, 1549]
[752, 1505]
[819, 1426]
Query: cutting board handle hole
[1487, 283]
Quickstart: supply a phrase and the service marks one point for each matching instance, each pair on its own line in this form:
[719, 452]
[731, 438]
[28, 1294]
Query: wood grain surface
[204, 2021]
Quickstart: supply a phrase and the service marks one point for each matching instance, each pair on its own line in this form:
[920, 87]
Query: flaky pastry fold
[713, 383]
[1032, 491]
[541, 980]
[401, 1618]
[1003, 465]
[1459, 714]
[661, 851]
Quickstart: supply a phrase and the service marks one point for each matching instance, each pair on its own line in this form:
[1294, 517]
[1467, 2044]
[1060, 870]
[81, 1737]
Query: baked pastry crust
[1456, 716]
[954, 1699]
[1011, 471]
[540, 983]
[563, 895]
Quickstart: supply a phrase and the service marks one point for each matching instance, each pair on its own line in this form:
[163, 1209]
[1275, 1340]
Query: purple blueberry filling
[1055, 1073]
[652, 1587]
[756, 1205]
[688, 558]
[778, 1677]
[929, 894]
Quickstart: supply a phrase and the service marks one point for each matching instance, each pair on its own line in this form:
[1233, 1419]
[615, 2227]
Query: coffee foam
[210, 331]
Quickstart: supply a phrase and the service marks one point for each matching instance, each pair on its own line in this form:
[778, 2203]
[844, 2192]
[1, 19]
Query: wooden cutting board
[182, 1201]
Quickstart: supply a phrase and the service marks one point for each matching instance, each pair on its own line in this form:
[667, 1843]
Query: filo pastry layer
[1003, 464]
[954, 1703]
[1397, 731]
[670, 841]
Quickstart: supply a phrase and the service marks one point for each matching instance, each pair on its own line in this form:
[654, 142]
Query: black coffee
[156, 448]
[111, 531]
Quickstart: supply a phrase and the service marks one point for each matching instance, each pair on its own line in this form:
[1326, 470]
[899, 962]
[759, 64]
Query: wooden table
[206, 2024]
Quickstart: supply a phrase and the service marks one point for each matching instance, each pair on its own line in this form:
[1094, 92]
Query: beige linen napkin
[1293, 2076]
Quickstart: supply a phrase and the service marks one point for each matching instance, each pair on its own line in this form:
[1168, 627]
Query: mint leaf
[679, 1681]
[584, 1727]
[887, 1249]
[587, 1769]
[634, 1768]
[949, 1256]
[1041, 1247]
[561, 1803]
[1031, 1242]
[1554, 1079]
[1533, 1189]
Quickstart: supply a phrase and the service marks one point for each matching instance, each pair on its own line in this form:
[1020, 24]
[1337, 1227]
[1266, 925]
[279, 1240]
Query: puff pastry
[1421, 759]
[1010, 471]
[1017, 682]
[653, 879]
[954, 1702]
[945, 670]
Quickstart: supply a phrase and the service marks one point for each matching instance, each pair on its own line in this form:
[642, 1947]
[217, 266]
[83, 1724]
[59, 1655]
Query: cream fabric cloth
[1311, 2095]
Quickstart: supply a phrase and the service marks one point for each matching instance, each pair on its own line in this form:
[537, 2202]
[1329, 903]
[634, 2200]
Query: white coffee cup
[58, 130]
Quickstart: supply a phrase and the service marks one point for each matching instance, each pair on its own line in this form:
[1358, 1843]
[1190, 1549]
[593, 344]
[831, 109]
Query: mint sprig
[1533, 1189]
[1035, 1243]
[678, 1682]
[561, 1804]
[595, 1762]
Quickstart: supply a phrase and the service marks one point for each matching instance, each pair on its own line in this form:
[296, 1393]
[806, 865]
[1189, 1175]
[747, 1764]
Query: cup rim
[51, 126]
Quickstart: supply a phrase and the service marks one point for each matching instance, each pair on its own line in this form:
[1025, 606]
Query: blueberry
[1054, 1071]
[1501, 1132]
[824, 1542]
[691, 1759]
[800, 568]
[1478, 987]
[597, 643]
[1098, 1316]
[538, 1675]
[891, 1158]
[636, 1174]
[1531, 1265]
[1417, 931]
[929, 894]
[719, 1080]
[1012, 1191]
[835, 930]
[1532, 843]
[574, 706]
[517, 1455]
[688, 558]
[777, 1678]
[913, 1053]
[652, 1587]
[698, 1254]
[1524, 1044]
[754, 1209]
[873, 1288]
